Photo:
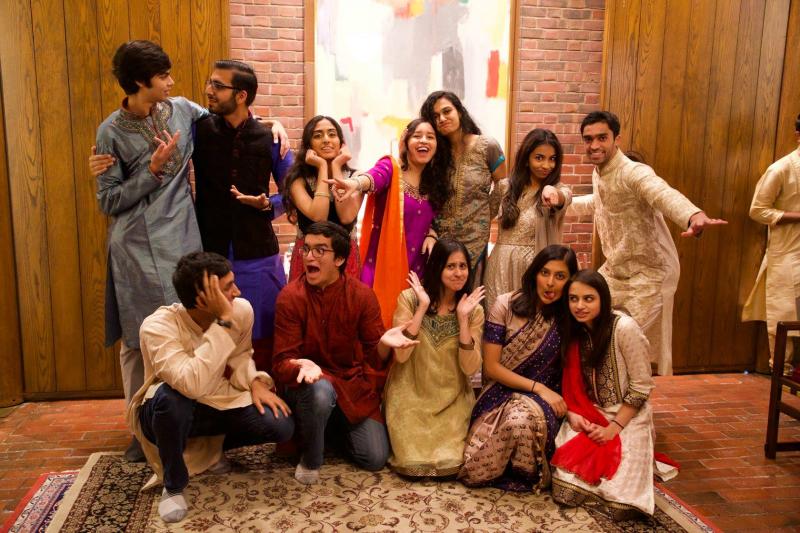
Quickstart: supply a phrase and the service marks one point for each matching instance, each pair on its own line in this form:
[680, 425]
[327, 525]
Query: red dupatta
[580, 455]
[391, 259]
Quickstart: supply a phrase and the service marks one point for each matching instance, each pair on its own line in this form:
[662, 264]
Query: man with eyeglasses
[142, 183]
[330, 347]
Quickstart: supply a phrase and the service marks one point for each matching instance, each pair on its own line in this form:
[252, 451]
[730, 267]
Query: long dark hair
[525, 301]
[521, 173]
[465, 121]
[593, 342]
[435, 180]
[301, 169]
[432, 279]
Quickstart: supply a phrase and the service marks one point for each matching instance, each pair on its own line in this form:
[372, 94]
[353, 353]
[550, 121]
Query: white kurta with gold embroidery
[641, 266]
[777, 289]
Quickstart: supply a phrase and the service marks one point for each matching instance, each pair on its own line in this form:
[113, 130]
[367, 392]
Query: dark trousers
[169, 418]
[319, 419]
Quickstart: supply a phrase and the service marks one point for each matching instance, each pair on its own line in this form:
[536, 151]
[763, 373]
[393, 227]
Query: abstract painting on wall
[375, 61]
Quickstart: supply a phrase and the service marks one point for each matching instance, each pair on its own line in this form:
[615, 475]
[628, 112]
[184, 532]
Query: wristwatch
[224, 323]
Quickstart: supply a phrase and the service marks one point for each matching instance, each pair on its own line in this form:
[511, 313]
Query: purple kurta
[417, 217]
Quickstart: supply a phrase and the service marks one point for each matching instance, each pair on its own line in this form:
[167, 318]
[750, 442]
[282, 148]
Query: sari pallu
[512, 434]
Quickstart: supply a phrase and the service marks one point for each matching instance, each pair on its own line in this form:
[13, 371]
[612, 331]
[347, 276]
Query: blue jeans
[314, 408]
[169, 418]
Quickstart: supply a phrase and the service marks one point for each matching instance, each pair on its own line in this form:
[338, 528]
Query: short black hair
[244, 77]
[602, 116]
[139, 61]
[340, 239]
[188, 276]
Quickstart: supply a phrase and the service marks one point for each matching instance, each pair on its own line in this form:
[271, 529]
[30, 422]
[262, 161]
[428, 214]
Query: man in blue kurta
[147, 193]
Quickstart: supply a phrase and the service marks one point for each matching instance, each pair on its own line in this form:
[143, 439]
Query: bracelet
[408, 335]
[470, 346]
[434, 237]
[534, 385]
[323, 194]
[617, 423]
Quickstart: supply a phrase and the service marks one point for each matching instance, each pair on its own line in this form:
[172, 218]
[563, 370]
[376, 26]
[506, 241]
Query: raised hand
[212, 299]
[164, 150]
[468, 303]
[423, 300]
[394, 337]
[698, 223]
[309, 371]
[344, 156]
[345, 188]
[313, 159]
[551, 197]
[259, 202]
[100, 163]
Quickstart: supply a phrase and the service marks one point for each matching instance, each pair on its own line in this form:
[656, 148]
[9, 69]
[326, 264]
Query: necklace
[411, 190]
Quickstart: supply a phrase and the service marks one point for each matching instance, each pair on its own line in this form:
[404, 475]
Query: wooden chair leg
[775, 393]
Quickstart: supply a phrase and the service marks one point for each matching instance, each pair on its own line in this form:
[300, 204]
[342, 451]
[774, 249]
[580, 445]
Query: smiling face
[324, 270]
[325, 140]
[542, 161]
[584, 303]
[456, 272]
[421, 145]
[221, 101]
[446, 116]
[600, 143]
[550, 281]
[160, 87]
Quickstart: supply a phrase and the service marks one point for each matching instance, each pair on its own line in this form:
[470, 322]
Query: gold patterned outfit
[536, 228]
[428, 398]
[641, 266]
[776, 294]
[623, 377]
[467, 216]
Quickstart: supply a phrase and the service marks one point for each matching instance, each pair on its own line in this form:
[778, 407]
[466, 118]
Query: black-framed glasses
[316, 252]
[218, 85]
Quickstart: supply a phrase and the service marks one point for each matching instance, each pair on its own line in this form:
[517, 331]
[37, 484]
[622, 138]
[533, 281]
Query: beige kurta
[775, 295]
[623, 377]
[516, 247]
[177, 351]
[428, 398]
[641, 267]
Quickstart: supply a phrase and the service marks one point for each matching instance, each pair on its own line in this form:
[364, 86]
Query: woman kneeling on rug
[428, 396]
[516, 418]
[605, 446]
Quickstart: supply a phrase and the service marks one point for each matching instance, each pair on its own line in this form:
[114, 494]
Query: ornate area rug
[35, 510]
[262, 495]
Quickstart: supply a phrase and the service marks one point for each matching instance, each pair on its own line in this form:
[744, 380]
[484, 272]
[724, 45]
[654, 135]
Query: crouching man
[188, 409]
[330, 352]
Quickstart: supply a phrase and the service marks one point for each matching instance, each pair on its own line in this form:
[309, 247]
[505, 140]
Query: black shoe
[134, 453]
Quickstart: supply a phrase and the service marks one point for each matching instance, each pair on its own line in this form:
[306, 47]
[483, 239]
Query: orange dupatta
[391, 259]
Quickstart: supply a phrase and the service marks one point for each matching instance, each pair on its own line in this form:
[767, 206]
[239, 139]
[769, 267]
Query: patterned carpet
[34, 512]
[261, 495]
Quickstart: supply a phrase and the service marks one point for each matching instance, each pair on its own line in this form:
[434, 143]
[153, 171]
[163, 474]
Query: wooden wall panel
[27, 194]
[11, 383]
[56, 67]
[704, 112]
[790, 86]
[62, 225]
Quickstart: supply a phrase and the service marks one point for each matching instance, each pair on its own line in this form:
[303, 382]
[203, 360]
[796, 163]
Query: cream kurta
[641, 266]
[775, 295]
[428, 398]
[177, 351]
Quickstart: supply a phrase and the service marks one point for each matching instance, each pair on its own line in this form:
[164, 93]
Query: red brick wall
[557, 77]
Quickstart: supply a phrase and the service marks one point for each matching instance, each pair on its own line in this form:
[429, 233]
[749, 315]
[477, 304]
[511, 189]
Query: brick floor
[712, 424]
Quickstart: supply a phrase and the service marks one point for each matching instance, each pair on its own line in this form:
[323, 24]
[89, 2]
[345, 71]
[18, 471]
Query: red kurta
[338, 328]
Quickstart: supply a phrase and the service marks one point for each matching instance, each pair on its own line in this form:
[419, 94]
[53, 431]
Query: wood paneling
[55, 62]
[697, 86]
[11, 353]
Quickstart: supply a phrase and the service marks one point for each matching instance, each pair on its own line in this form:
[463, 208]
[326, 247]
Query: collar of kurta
[123, 110]
[616, 161]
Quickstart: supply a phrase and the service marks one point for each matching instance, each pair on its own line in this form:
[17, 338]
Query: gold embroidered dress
[623, 376]
[467, 215]
[776, 294]
[428, 398]
[641, 266]
[536, 228]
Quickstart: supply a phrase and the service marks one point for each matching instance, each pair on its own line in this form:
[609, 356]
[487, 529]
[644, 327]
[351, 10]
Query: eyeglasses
[218, 85]
[316, 252]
